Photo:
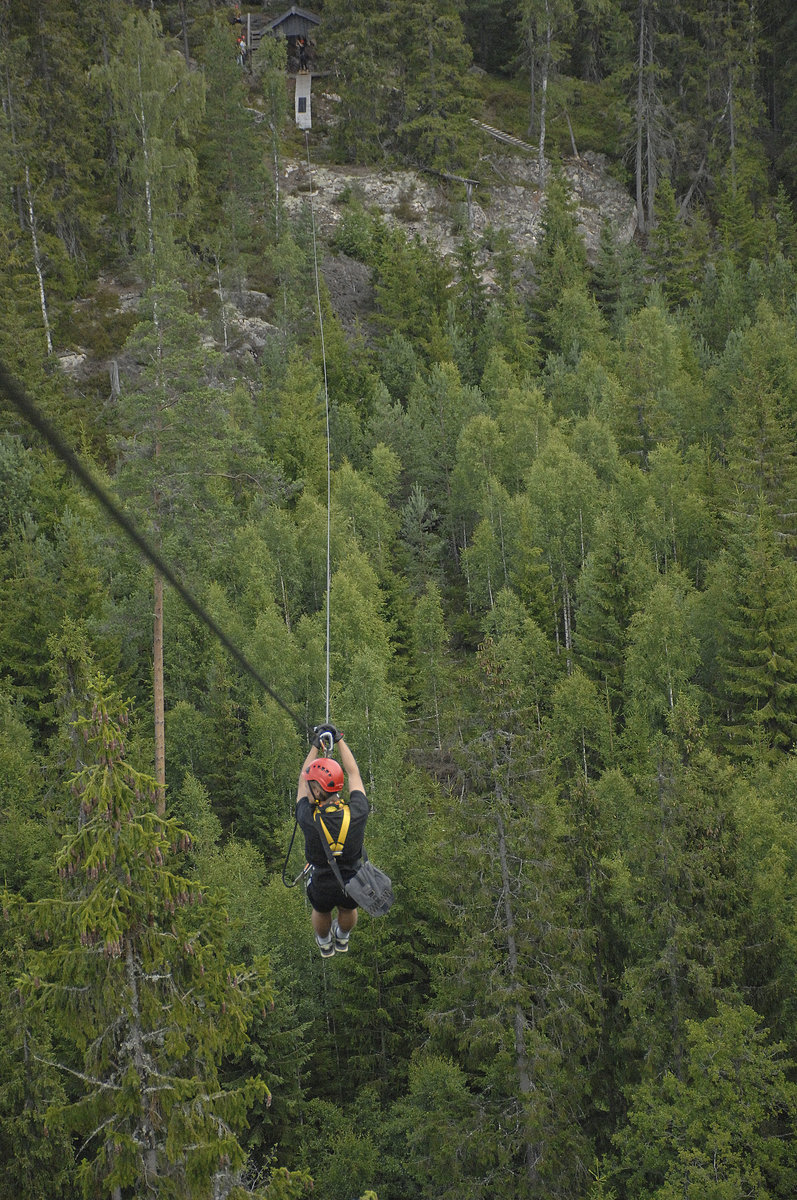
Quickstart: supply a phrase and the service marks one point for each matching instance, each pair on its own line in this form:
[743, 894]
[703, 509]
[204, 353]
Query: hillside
[486, 455]
[421, 206]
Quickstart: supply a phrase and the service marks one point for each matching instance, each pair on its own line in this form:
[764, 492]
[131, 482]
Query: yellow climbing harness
[335, 846]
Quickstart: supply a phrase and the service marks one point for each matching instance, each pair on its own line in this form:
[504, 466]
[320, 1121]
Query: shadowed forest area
[563, 606]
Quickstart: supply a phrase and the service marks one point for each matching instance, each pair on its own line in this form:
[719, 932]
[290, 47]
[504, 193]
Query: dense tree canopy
[563, 626]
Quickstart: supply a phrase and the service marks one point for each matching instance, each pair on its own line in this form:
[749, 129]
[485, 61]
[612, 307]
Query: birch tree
[546, 25]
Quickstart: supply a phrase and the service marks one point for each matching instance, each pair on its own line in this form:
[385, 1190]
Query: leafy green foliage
[715, 1129]
[563, 640]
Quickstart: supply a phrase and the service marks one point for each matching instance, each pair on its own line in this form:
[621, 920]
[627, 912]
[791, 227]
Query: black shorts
[325, 893]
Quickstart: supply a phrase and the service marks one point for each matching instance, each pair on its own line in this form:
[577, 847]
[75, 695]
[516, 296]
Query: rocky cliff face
[514, 203]
[420, 204]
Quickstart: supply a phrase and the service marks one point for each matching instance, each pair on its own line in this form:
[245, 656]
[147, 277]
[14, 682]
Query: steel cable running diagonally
[28, 410]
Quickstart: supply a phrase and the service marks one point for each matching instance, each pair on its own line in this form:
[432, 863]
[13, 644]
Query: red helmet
[327, 772]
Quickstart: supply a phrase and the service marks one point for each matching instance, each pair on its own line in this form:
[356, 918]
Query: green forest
[557, 606]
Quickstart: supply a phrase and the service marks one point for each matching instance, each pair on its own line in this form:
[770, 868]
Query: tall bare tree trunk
[37, 261]
[651, 150]
[546, 68]
[525, 1082]
[158, 703]
[732, 130]
[157, 693]
[8, 107]
[184, 24]
[532, 85]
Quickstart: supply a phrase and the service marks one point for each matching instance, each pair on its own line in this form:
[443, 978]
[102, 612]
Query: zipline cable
[326, 406]
[31, 414]
[329, 488]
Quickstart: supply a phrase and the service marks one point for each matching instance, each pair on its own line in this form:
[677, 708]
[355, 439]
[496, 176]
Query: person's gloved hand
[326, 731]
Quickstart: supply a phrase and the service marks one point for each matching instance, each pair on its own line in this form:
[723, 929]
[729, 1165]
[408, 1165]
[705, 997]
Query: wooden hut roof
[294, 22]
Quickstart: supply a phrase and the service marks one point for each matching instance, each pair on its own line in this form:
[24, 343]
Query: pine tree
[560, 258]
[437, 99]
[607, 593]
[131, 972]
[758, 647]
[512, 996]
[361, 40]
[714, 1128]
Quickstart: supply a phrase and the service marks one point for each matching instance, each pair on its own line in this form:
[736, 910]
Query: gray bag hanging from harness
[370, 887]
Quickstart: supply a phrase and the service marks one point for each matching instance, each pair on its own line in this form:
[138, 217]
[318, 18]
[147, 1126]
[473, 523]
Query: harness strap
[335, 846]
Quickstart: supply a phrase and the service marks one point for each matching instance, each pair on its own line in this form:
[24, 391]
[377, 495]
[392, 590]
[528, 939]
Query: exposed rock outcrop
[420, 204]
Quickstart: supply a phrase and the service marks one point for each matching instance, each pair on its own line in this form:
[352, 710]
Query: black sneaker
[341, 939]
[326, 945]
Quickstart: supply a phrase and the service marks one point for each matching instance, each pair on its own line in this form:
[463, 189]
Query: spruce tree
[668, 247]
[662, 393]
[560, 259]
[758, 647]
[513, 1000]
[617, 277]
[437, 100]
[132, 974]
[675, 893]
[37, 1152]
[411, 283]
[760, 372]
[608, 590]
[716, 1126]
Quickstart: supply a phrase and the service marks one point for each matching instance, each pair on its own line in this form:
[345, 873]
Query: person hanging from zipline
[322, 813]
